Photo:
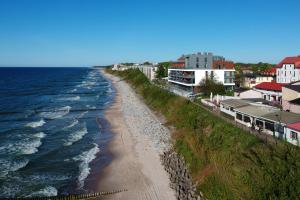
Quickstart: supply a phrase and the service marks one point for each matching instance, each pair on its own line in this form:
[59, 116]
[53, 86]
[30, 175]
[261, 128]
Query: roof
[270, 86]
[283, 117]
[255, 110]
[271, 71]
[295, 126]
[235, 103]
[295, 101]
[293, 87]
[256, 100]
[290, 60]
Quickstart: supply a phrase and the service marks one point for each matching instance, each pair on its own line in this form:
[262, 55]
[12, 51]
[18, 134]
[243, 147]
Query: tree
[210, 85]
[162, 70]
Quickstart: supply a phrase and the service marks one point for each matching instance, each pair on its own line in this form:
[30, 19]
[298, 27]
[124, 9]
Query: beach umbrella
[211, 97]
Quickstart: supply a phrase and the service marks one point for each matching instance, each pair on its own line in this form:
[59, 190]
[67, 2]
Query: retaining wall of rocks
[180, 177]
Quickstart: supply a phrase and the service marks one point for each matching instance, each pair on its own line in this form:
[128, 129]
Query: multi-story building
[251, 80]
[288, 70]
[222, 64]
[179, 64]
[189, 79]
[201, 60]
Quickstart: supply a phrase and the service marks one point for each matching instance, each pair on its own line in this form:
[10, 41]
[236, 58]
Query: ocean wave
[72, 124]
[7, 166]
[82, 114]
[57, 113]
[45, 192]
[76, 136]
[91, 107]
[36, 124]
[85, 158]
[76, 98]
[74, 90]
[40, 135]
[26, 146]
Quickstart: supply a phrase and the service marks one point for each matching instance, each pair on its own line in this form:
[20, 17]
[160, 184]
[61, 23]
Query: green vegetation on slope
[225, 161]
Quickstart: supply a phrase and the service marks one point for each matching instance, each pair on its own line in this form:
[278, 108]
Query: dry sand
[139, 138]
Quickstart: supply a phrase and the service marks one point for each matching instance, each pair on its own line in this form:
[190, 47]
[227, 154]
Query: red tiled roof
[271, 71]
[290, 60]
[295, 126]
[270, 86]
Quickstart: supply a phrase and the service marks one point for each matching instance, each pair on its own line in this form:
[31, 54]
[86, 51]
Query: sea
[53, 133]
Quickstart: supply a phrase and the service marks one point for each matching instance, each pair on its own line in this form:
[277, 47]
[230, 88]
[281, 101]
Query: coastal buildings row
[283, 89]
[148, 69]
[263, 118]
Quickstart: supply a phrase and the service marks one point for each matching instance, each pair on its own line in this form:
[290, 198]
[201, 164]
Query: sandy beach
[139, 138]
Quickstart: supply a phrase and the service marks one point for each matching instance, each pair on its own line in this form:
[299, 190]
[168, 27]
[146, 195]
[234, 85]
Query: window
[197, 65]
[197, 59]
[247, 119]
[294, 135]
[269, 125]
[239, 116]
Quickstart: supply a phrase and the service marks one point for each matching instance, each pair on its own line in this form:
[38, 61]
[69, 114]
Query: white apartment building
[288, 70]
[189, 79]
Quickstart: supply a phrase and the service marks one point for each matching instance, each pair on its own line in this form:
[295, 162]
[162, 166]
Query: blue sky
[100, 32]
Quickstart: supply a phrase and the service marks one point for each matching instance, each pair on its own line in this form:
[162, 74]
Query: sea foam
[72, 124]
[57, 113]
[76, 98]
[36, 124]
[7, 166]
[85, 158]
[24, 147]
[76, 136]
[45, 192]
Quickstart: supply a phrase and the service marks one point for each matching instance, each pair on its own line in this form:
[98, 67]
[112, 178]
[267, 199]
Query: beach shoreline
[138, 140]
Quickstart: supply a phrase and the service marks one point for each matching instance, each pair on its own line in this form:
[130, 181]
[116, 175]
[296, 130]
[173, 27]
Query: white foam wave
[82, 114]
[72, 124]
[91, 107]
[58, 113]
[24, 147]
[40, 135]
[74, 90]
[76, 136]
[36, 124]
[7, 166]
[45, 192]
[76, 98]
[85, 157]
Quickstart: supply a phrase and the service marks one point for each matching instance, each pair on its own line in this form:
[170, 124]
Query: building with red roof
[293, 133]
[271, 91]
[269, 72]
[179, 64]
[288, 70]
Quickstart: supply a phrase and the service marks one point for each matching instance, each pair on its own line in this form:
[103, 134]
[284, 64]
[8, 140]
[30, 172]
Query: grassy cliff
[225, 161]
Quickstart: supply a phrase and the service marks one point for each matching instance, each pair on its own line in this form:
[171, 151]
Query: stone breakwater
[180, 177]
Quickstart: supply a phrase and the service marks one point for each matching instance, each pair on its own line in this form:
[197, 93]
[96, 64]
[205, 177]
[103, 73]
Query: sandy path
[139, 138]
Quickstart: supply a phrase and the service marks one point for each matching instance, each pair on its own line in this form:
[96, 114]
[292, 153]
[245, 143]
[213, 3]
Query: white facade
[195, 76]
[149, 71]
[287, 74]
[269, 95]
[250, 82]
[292, 136]
[248, 94]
